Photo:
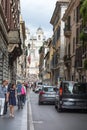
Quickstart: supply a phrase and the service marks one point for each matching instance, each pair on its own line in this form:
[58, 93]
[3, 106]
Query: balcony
[67, 31]
[13, 37]
[14, 40]
[67, 60]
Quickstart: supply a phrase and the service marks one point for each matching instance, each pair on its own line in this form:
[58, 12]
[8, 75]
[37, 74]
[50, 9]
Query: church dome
[39, 30]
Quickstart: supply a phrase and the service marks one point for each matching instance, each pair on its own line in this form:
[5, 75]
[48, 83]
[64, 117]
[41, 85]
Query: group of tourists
[11, 95]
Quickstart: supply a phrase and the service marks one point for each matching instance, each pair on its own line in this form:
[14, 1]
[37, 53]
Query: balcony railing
[67, 60]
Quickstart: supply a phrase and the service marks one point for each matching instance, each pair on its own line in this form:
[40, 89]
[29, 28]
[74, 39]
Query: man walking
[3, 92]
[6, 103]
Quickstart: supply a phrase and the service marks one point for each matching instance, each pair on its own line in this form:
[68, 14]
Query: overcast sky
[37, 13]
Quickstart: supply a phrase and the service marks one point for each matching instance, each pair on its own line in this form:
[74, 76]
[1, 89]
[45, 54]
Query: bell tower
[40, 34]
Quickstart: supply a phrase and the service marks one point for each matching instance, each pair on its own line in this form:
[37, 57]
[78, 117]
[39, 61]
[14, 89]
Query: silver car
[47, 94]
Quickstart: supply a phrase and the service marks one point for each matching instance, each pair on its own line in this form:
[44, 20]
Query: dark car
[71, 95]
[47, 94]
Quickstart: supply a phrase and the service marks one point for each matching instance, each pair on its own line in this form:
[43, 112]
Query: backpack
[23, 91]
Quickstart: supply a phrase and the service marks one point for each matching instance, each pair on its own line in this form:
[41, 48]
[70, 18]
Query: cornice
[57, 9]
[68, 10]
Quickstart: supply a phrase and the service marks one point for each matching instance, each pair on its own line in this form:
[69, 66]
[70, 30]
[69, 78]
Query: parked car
[47, 94]
[71, 95]
[38, 88]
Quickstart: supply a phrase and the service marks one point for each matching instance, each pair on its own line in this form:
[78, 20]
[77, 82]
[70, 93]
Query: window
[48, 89]
[80, 88]
[68, 88]
[74, 15]
[69, 49]
[77, 88]
[39, 37]
[73, 44]
[6, 7]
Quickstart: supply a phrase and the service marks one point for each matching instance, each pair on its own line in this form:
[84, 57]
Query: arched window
[39, 37]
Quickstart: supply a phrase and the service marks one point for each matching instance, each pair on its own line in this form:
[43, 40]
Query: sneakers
[11, 115]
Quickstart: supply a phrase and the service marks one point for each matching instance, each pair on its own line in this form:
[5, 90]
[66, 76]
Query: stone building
[76, 48]
[45, 55]
[21, 60]
[10, 43]
[58, 40]
[27, 44]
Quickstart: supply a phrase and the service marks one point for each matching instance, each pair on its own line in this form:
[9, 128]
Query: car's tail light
[41, 92]
[60, 91]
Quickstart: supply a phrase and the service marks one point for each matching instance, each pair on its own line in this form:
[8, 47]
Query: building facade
[76, 44]
[21, 60]
[66, 57]
[10, 43]
[58, 40]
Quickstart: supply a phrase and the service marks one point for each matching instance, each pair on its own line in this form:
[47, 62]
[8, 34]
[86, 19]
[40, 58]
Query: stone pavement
[19, 122]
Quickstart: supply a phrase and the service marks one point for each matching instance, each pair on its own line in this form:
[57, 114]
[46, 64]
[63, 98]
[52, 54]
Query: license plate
[50, 95]
[68, 103]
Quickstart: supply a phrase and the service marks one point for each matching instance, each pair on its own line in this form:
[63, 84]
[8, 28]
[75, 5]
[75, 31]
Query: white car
[38, 88]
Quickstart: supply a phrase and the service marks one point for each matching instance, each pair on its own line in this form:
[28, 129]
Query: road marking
[30, 117]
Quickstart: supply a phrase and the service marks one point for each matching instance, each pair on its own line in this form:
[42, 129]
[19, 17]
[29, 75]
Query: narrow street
[45, 117]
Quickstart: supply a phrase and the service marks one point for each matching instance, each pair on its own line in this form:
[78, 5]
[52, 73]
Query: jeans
[20, 105]
[2, 101]
[5, 107]
[23, 98]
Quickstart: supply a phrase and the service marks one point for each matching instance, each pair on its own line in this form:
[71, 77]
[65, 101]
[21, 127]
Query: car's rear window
[80, 88]
[48, 89]
[76, 88]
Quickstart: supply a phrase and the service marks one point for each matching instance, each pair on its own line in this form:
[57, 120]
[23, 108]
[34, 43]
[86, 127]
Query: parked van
[71, 95]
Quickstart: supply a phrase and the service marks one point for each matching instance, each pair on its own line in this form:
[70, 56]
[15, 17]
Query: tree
[83, 11]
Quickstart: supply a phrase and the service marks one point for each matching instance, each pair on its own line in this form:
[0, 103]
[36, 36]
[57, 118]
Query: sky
[38, 13]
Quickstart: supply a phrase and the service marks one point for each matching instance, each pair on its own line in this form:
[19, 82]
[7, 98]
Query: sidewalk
[19, 122]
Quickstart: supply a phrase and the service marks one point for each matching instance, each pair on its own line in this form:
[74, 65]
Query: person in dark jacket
[6, 103]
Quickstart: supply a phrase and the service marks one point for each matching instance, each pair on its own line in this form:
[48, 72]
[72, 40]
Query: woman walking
[12, 99]
[23, 93]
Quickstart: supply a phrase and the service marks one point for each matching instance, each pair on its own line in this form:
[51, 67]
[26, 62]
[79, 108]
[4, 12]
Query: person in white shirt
[3, 92]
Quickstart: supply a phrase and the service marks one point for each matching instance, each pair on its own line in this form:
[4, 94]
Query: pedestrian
[19, 96]
[12, 99]
[6, 103]
[23, 93]
[3, 94]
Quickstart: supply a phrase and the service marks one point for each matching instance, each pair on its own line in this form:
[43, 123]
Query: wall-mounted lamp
[1, 54]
